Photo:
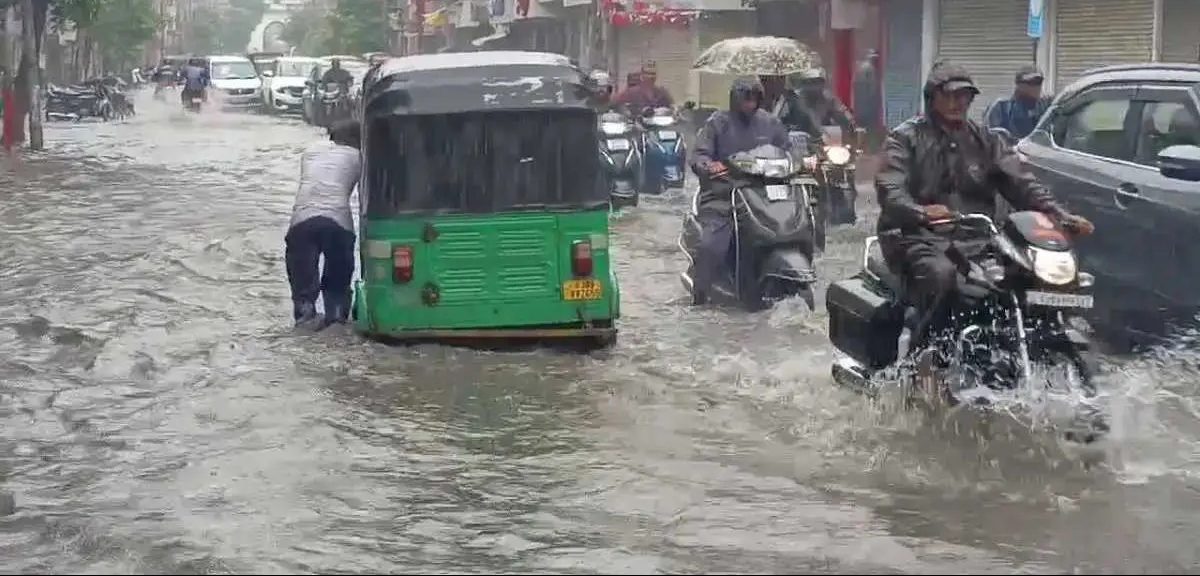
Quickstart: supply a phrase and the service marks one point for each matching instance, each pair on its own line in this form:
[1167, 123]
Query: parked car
[1121, 146]
[236, 82]
[284, 90]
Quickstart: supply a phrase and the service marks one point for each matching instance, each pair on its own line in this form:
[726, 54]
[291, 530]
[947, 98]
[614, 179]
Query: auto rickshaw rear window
[481, 162]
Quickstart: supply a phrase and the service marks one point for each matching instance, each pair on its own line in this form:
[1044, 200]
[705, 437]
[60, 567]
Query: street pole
[29, 52]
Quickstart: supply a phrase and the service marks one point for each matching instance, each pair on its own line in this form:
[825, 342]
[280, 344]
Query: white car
[284, 90]
[235, 81]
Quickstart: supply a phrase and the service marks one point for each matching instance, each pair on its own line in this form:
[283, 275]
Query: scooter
[621, 158]
[772, 201]
[664, 149]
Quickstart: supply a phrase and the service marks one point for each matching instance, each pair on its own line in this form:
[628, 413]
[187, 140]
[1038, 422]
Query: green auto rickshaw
[484, 213]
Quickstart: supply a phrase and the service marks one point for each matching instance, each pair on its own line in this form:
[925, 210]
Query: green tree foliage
[358, 26]
[121, 28]
[308, 31]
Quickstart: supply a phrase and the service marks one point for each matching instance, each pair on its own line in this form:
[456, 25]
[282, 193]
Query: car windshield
[294, 68]
[233, 70]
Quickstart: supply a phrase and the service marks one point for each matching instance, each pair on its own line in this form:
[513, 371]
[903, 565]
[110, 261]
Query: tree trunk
[30, 60]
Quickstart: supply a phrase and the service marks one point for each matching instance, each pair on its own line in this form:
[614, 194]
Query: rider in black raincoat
[938, 165]
[743, 127]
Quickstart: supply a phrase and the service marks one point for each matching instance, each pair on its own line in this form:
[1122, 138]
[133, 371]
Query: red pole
[843, 65]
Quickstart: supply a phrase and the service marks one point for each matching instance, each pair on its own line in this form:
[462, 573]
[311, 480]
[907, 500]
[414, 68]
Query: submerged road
[159, 415]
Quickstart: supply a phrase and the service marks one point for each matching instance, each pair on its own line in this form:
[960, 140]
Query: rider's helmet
[602, 81]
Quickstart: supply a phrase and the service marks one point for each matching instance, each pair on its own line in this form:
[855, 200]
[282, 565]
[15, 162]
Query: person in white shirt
[322, 226]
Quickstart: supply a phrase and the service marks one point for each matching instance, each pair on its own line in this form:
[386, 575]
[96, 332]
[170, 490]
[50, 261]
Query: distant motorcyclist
[1020, 113]
[646, 93]
[195, 81]
[822, 106]
[338, 75]
[743, 127]
[602, 83]
[938, 165]
[784, 103]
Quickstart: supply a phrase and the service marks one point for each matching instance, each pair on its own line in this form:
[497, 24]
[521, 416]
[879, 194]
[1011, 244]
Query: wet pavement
[159, 415]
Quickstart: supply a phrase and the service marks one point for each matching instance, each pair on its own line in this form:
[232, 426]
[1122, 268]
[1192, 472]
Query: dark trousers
[307, 242]
[930, 278]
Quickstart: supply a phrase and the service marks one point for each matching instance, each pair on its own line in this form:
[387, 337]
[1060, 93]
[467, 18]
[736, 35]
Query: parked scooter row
[103, 98]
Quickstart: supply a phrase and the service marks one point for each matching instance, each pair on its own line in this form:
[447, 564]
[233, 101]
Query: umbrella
[757, 55]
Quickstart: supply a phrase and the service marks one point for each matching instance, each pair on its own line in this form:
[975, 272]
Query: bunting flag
[642, 13]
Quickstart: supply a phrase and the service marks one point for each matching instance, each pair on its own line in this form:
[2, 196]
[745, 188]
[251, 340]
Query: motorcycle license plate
[672, 173]
[668, 135]
[582, 290]
[776, 192]
[618, 144]
[1056, 300]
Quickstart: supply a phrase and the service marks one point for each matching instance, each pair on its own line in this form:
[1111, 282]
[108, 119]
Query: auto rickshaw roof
[474, 81]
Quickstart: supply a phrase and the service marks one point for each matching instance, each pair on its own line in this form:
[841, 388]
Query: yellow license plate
[582, 290]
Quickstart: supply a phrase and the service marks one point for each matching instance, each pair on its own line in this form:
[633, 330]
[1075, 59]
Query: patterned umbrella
[757, 55]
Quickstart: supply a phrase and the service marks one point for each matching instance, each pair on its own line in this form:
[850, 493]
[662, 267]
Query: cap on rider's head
[1029, 74]
[949, 77]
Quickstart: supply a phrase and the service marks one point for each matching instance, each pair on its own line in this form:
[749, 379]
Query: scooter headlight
[612, 128]
[1053, 267]
[660, 121]
[772, 168]
[837, 155]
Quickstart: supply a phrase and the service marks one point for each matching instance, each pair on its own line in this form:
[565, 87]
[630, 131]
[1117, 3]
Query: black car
[1121, 146]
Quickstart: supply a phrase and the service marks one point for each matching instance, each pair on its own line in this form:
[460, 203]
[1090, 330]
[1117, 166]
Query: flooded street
[159, 414]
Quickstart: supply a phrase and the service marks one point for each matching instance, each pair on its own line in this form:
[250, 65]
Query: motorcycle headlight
[1051, 267]
[837, 155]
[612, 128]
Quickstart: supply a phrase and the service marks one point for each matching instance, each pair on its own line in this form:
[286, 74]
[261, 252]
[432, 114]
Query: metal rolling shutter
[713, 89]
[1093, 33]
[1181, 31]
[669, 47]
[988, 38]
[902, 61]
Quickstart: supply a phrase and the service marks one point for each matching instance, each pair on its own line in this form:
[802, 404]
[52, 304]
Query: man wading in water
[323, 226]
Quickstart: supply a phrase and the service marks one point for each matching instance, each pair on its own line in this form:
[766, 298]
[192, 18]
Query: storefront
[1092, 33]
[1181, 31]
[901, 61]
[989, 38]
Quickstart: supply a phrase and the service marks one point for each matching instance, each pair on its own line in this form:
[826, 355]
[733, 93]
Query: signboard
[1034, 27]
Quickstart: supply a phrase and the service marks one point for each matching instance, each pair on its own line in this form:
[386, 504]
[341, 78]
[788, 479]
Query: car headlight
[837, 154]
[612, 128]
[1053, 267]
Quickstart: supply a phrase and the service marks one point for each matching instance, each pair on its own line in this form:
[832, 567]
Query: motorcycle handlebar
[960, 218]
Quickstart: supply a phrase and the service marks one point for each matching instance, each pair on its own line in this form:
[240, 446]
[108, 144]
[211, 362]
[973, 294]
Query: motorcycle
[1016, 288]
[333, 101]
[193, 100]
[772, 203]
[621, 158]
[665, 152]
[837, 170]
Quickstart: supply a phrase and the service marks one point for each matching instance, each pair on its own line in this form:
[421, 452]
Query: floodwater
[159, 414]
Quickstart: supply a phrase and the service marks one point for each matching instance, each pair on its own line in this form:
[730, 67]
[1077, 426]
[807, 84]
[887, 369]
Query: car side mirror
[1181, 162]
[267, 73]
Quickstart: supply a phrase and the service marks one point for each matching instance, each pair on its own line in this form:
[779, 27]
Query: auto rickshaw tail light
[402, 264]
[581, 258]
